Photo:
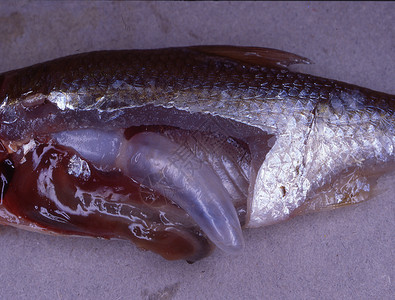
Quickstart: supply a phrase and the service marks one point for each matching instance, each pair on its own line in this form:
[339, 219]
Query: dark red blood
[105, 204]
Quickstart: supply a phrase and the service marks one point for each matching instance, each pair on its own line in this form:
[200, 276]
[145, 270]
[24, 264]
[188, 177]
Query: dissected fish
[177, 149]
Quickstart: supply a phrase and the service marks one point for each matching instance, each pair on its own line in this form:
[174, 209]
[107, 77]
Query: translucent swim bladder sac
[179, 193]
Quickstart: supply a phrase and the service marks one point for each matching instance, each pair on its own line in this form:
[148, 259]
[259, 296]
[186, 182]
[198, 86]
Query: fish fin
[347, 191]
[265, 57]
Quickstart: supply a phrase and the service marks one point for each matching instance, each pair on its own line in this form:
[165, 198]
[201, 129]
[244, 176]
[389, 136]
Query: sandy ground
[342, 254]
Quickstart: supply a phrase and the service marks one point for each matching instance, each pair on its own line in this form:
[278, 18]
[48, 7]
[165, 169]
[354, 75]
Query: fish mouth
[179, 192]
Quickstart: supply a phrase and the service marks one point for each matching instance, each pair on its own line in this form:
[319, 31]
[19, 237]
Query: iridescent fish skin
[331, 140]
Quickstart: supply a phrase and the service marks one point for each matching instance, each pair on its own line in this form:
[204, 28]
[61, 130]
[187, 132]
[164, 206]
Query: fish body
[314, 143]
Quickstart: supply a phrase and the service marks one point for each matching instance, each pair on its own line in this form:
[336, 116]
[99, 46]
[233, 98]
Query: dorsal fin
[265, 57]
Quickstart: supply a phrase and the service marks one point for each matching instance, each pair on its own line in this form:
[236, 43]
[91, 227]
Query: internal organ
[207, 176]
[55, 191]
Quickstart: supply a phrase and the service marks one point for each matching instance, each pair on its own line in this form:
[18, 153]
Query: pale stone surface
[342, 254]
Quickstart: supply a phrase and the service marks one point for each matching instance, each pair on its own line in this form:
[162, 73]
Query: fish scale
[326, 131]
